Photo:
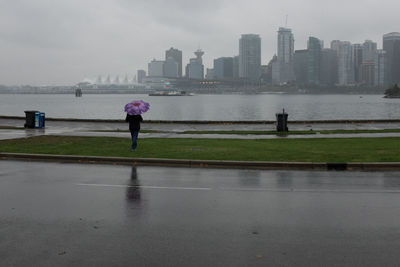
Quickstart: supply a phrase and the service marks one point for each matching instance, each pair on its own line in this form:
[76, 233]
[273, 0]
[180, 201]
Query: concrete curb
[371, 166]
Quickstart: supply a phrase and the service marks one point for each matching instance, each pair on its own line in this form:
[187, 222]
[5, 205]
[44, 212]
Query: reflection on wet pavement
[133, 189]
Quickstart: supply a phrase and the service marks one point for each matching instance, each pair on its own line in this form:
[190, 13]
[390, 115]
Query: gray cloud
[64, 41]
[45, 25]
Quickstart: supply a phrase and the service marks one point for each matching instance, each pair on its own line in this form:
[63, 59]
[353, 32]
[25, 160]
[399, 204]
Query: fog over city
[47, 42]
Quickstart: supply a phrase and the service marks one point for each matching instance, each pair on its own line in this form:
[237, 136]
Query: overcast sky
[48, 42]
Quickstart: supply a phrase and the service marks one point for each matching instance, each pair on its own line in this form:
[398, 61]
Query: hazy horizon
[63, 42]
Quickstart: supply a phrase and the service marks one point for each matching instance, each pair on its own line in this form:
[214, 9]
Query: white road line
[292, 190]
[254, 189]
[148, 187]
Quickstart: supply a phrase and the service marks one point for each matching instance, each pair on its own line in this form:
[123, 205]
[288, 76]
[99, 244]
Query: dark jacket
[134, 122]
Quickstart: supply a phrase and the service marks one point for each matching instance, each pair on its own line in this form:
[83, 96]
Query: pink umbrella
[137, 107]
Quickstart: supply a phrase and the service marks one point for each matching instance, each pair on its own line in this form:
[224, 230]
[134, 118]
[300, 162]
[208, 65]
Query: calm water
[207, 107]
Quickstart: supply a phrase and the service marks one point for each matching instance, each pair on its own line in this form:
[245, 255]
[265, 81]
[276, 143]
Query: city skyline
[62, 43]
[132, 77]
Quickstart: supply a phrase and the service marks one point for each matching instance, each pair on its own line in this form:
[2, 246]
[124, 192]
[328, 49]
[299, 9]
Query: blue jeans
[134, 135]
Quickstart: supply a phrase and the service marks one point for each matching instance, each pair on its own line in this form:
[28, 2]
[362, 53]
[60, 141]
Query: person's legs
[134, 135]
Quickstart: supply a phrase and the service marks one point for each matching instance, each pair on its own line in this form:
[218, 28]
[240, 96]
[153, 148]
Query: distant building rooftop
[395, 35]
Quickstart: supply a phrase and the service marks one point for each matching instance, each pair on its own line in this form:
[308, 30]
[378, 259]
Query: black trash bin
[281, 122]
[30, 118]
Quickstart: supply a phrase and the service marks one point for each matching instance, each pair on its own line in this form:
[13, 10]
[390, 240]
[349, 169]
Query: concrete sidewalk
[174, 130]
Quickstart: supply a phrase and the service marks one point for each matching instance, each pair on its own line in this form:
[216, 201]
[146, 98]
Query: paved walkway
[173, 130]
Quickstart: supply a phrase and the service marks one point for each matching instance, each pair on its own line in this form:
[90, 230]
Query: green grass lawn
[339, 131]
[245, 132]
[302, 150]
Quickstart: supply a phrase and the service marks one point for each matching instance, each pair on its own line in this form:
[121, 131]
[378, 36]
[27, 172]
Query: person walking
[134, 128]
[133, 110]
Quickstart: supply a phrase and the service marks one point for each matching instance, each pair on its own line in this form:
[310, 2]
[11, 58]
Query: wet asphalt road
[55, 214]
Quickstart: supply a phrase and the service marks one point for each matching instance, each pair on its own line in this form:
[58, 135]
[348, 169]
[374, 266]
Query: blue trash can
[42, 119]
[37, 117]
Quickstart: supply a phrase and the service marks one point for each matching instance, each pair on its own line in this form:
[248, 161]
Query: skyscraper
[391, 44]
[223, 68]
[156, 68]
[171, 68]
[314, 60]
[209, 74]
[285, 55]
[250, 56]
[267, 77]
[195, 68]
[177, 56]
[368, 73]
[368, 62]
[369, 51]
[140, 75]
[275, 70]
[335, 45]
[357, 57]
[235, 67]
[380, 58]
[329, 67]
[345, 62]
[301, 67]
